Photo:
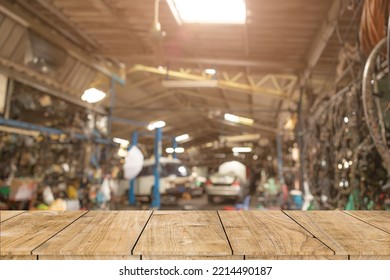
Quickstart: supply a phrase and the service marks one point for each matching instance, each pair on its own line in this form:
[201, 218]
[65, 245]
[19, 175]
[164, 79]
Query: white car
[226, 185]
[174, 178]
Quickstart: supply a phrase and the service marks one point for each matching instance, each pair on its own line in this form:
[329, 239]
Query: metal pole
[300, 139]
[131, 195]
[280, 157]
[174, 146]
[112, 104]
[157, 154]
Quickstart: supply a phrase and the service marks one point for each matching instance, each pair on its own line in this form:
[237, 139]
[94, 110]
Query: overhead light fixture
[178, 150]
[93, 95]
[157, 124]
[208, 11]
[241, 138]
[189, 84]
[181, 138]
[122, 142]
[238, 119]
[210, 71]
[242, 149]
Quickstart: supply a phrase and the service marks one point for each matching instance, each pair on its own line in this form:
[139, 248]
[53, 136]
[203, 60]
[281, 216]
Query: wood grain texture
[268, 233]
[379, 219]
[174, 233]
[22, 258]
[192, 257]
[103, 233]
[23, 233]
[369, 257]
[6, 215]
[330, 257]
[344, 234]
[77, 258]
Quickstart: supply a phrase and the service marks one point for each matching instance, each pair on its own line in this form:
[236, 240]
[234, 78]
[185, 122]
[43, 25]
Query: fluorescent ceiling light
[157, 124]
[189, 84]
[122, 142]
[242, 149]
[171, 150]
[208, 11]
[238, 119]
[93, 95]
[241, 138]
[182, 137]
[210, 71]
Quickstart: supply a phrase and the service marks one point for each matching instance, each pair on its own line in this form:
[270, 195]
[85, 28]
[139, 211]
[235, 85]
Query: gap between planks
[57, 233]
[139, 236]
[364, 221]
[227, 237]
[285, 212]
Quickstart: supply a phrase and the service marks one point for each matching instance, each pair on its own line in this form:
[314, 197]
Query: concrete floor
[198, 203]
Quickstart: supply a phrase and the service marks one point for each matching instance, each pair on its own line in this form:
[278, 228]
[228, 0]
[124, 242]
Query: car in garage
[174, 178]
[225, 185]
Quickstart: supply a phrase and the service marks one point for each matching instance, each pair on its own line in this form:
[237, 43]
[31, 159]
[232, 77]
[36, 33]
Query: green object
[353, 200]
[4, 190]
[42, 207]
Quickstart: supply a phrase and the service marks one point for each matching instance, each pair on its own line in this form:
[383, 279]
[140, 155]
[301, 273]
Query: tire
[210, 199]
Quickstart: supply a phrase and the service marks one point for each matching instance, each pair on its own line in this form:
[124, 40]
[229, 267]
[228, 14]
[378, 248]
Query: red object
[208, 183]
[236, 184]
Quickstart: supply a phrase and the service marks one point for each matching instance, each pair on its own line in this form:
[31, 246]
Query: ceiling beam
[321, 40]
[222, 84]
[268, 65]
[20, 15]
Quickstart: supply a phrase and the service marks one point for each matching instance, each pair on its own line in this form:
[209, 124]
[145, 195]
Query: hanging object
[133, 163]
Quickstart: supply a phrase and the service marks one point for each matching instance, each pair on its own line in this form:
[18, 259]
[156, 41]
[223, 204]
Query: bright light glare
[208, 11]
[93, 95]
[171, 150]
[242, 149]
[210, 71]
[157, 124]
[122, 152]
[122, 142]
[182, 137]
[238, 119]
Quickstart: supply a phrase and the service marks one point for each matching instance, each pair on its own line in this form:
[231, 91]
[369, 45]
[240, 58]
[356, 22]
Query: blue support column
[131, 195]
[280, 157]
[157, 154]
[174, 146]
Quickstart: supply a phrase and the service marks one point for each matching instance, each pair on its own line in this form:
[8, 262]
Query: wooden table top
[195, 235]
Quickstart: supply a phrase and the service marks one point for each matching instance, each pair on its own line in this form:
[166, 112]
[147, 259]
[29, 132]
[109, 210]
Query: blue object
[131, 195]
[157, 154]
[245, 204]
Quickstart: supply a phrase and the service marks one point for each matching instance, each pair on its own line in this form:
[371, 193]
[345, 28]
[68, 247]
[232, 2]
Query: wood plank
[23, 258]
[192, 257]
[183, 233]
[344, 234]
[330, 257]
[269, 233]
[369, 257]
[23, 233]
[98, 233]
[6, 215]
[379, 219]
[77, 258]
